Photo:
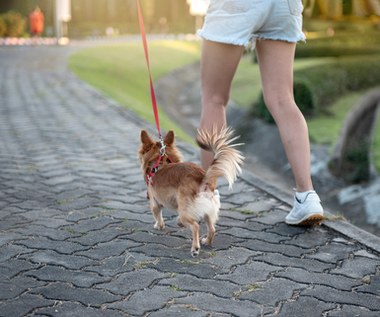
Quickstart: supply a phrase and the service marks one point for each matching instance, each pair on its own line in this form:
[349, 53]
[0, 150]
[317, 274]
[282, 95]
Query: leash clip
[163, 147]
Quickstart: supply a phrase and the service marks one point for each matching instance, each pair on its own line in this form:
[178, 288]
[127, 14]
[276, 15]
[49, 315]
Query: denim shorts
[240, 22]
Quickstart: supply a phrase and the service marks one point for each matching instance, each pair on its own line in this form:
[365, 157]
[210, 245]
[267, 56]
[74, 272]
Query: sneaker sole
[313, 220]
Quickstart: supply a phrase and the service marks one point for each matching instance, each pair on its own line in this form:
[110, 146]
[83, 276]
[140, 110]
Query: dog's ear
[169, 138]
[145, 138]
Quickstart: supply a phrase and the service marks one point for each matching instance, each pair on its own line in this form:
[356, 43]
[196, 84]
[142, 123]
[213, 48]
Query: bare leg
[276, 68]
[218, 66]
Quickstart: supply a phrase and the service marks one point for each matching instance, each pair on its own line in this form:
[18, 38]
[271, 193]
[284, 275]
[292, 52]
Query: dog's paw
[205, 241]
[159, 226]
[194, 252]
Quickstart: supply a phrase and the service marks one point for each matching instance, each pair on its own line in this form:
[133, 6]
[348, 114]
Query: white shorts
[240, 22]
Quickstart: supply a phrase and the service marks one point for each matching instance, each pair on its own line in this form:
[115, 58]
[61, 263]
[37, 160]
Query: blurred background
[100, 17]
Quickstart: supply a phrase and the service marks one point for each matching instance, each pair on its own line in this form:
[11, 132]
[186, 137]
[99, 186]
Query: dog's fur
[186, 187]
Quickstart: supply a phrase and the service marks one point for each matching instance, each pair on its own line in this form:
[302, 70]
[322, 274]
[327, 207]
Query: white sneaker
[307, 210]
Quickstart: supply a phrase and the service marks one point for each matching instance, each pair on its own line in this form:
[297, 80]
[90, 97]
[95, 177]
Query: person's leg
[218, 66]
[276, 69]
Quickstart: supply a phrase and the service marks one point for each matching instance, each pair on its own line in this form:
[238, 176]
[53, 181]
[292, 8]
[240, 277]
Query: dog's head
[149, 151]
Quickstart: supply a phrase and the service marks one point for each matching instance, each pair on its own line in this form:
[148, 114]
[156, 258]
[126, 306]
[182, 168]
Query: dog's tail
[227, 159]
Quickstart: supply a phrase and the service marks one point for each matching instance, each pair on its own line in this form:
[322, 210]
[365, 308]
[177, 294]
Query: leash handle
[152, 93]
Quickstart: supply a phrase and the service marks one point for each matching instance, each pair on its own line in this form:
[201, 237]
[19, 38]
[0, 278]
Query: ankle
[302, 196]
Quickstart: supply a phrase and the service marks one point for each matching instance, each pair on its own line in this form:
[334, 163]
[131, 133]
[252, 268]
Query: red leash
[152, 93]
[153, 171]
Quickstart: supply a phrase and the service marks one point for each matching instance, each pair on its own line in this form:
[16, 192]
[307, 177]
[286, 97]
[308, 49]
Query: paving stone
[225, 260]
[12, 288]
[11, 250]
[92, 238]
[51, 257]
[115, 247]
[307, 277]
[248, 234]
[169, 241]
[366, 254]
[12, 267]
[132, 281]
[23, 305]
[250, 273]
[157, 250]
[77, 278]
[286, 261]
[329, 294]
[210, 303]
[270, 293]
[58, 180]
[312, 238]
[228, 222]
[147, 300]
[41, 243]
[270, 218]
[357, 267]
[262, 246]
[373, 287]
[180, 310]
[305, 306]
[190, 283]
[66, 292]
[94, 223]
[69, 309]
[348, 310]
[332, 252]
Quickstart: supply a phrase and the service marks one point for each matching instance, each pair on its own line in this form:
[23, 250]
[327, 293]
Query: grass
[120, 72]
[376, 144]
[246, 86]
[325, 128]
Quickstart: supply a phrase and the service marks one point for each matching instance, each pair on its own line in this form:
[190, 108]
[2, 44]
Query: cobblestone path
[77, 237]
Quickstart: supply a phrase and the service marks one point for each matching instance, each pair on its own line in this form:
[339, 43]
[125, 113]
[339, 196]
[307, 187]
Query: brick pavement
[77, 237]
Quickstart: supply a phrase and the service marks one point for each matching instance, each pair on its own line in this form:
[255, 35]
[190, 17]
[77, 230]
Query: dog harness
[154, 169]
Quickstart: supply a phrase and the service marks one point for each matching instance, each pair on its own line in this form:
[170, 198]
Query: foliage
[316, 88]
[342, 44]
[14, 24]
[3, 26]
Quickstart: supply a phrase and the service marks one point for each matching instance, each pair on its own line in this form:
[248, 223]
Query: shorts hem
[223, 40]
[283, 39]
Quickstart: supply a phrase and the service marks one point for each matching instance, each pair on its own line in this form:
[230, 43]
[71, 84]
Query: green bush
[317, 87]
[15, 24]
[3, 26]
[341, 44]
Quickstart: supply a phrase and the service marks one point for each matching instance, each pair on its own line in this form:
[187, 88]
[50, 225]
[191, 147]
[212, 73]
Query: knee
[278, 105]
[215, 100]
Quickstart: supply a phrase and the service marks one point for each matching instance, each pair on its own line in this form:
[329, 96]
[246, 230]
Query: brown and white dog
[184, 186]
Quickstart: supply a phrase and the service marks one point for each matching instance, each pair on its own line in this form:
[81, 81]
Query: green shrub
[315, 88]
[341, 44]
[3, 26]
[15, 24]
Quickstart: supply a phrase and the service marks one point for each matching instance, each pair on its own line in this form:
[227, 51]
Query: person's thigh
[218, 65]
[276, 59]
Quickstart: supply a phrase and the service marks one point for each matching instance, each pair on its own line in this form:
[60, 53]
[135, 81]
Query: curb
[341, 226]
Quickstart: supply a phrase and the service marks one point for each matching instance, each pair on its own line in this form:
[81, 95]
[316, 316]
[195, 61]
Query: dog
[185, 186]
